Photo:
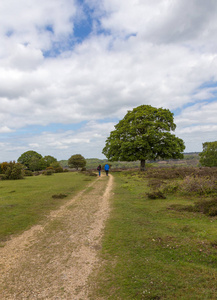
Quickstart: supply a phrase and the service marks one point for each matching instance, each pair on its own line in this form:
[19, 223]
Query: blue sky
[70, 70]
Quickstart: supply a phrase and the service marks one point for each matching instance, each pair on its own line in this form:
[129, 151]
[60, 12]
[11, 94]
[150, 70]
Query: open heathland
[160, 247]
[131, 235]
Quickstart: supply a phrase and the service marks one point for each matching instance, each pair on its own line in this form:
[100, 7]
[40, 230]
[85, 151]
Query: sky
[71, 69]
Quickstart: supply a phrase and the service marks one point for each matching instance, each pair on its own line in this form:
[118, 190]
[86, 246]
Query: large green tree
[144, 134]
[32, 160]
[77, 161]
[208, 157]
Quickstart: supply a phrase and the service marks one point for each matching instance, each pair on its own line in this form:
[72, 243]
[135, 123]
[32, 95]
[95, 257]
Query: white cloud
[155, 52]
[5, 129]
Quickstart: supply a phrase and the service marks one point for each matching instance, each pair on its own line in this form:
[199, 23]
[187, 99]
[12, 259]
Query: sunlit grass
[24, 203]
[151, 251]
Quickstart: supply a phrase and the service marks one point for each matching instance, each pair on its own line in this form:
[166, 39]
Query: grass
[151, 251]
[26, 202]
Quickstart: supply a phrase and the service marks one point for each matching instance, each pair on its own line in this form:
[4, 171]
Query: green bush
[58, 170]
[59, 196]
[48, 172]
[2, 177]
[12, 170]
[156, 195]
[28, 173]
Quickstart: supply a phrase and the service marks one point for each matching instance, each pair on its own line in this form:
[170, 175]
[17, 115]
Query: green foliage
[32, 160]
[59, 196]
[28, 173]
[144, 134]
[49, 160]
[48, 172]
[37, 164]
[11, 170]
[208, 157]
[77, 161]
[156, 195]
[56, 167]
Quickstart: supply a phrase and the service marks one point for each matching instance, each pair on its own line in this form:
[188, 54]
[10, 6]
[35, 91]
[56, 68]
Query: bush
[2, 177]
[48, 172]
[156, 195]
[171, 187]
[12, 170]
[207, 207]
[36, 173]
[28, 173]
[155, 183]
[59, 196]
[59, 170]
[198, 185]
[180, 172]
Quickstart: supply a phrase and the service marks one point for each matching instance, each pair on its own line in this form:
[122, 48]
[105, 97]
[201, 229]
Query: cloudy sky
[71, 69]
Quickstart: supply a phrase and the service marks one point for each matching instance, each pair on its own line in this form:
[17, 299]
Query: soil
[55, 260]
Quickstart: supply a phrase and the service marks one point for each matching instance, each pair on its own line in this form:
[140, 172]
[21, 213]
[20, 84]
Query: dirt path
[54, 261]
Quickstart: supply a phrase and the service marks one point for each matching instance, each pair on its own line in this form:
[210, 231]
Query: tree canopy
[32, 160]
[77, 161]
[144, 134]
[208, 157]
[49, 160]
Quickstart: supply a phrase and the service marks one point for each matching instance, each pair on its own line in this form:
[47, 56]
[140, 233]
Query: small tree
[208, 157]
[144, 133]
[77, 161]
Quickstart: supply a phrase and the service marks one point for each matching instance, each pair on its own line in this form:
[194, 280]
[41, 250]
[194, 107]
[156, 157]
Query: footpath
[55, 260]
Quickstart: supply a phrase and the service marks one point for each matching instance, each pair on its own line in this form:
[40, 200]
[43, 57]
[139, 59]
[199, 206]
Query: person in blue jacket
[106, 168]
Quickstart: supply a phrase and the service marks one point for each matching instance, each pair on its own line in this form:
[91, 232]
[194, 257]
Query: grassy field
[151, 250]
[26, 202]
[163, 248]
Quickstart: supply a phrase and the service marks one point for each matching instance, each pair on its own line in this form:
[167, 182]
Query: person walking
[106, 168]
[99, 168]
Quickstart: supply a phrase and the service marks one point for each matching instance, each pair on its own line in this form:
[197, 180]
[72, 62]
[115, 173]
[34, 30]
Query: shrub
[156, 195]
[59, 196]
[90, 173]
[2, 177]
[207, 207]
[36, 173]
[48, 172]
[59, 170]
[12, 170]
[28, 173]
[155, 183]
[180, 172]
[198, 185]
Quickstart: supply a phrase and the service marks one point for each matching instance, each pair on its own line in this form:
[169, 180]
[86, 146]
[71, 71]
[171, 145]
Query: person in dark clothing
[106, 168]
[99, 168]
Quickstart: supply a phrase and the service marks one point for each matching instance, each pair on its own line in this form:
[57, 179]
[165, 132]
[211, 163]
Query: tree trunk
[142, 165]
